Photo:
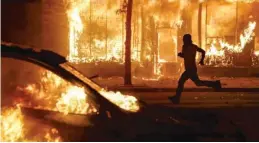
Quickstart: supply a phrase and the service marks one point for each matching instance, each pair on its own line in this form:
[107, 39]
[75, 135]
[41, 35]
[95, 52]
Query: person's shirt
[189, 54]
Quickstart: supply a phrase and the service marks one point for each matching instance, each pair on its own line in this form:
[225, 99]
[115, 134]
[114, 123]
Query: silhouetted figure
[188, 54]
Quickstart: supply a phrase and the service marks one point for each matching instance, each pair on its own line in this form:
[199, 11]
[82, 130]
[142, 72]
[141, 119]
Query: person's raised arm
[202, 56]
[180, 54]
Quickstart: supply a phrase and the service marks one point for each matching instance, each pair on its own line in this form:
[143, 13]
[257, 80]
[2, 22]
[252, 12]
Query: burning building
[97, 31]
[91, 33]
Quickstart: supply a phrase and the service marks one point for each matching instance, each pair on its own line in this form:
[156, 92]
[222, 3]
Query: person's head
[187, 39]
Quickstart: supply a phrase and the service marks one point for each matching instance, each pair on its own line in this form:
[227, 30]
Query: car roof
[25, 52]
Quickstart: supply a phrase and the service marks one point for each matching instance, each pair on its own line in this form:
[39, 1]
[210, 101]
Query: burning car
[61, 104]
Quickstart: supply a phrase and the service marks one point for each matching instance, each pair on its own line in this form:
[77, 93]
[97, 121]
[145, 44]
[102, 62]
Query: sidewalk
[171, 83]
[241, 92]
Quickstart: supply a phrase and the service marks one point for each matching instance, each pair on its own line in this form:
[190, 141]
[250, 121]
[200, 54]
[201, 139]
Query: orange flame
[11, 125]
[13, 128]
[58, 95]
[76, 26]
[245, 38]
[125, 102]
[73, 99]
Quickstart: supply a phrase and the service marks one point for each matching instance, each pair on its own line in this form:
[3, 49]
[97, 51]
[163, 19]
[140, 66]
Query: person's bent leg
[198, 82]
[180, 86]
[184, 77]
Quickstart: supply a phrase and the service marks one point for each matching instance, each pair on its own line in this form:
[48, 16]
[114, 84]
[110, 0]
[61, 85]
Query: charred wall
[21, 22]
[55, 26]
[37, 23]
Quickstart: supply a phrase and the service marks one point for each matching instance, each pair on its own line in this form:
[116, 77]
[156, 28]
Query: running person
[188, 54]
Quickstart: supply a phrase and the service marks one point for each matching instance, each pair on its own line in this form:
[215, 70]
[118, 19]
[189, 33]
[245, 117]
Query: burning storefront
[97, 33]
[229, 35]
[92, 33]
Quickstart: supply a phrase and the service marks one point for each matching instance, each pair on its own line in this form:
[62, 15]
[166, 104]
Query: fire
[125, 102]
[245, 38]
[244, 1]
[110, 46]
[66, 98]
[13, 128]
[52, 136]
[58, 95]
[74, 100]
[11, 125]
[213, 50]
[76, 26]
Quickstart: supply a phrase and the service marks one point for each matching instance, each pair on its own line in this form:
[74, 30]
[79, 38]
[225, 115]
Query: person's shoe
[217, 85]
[174, 99]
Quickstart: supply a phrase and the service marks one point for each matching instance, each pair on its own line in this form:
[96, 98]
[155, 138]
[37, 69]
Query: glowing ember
[125, 102]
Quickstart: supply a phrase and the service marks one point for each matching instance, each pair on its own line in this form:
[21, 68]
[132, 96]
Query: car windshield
[125, 102]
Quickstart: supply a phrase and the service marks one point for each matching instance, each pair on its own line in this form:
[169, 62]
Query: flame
[13, 128]
[76, 26]
[245, 38]
[244, 1]
[53, 136]
[125, 102]
[115, 97]
[74, 100]
[111, 47]
[56, 94]
[232, 1]
[213, 50]
[11, 125]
